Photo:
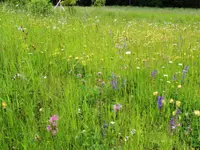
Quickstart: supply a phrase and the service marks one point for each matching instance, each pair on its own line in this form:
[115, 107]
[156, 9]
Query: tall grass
[101, 71]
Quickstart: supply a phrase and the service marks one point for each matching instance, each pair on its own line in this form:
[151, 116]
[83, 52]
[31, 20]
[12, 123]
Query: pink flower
[53, 118]
[54, 131]
[117, 107]
[52, 127]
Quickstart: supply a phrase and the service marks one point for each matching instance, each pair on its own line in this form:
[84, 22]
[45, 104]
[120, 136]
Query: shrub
[68, 2]
[99, 2]
[40, 7]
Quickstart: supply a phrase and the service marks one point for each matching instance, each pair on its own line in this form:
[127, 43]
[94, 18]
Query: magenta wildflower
[53, 118]
[52, 127]
[117, 107]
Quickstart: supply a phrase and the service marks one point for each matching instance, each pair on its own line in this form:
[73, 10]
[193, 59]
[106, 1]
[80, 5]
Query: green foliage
[99, 2]
[68, 2]
[40, 7]
[17, 2]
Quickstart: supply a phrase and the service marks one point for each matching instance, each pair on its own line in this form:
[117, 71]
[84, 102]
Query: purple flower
[117, 107]
[160, 101]
[172, 123]
[114, 82]
[185, 70]
[178, 111]
[154, 73]
[49, 128]
[105, 125]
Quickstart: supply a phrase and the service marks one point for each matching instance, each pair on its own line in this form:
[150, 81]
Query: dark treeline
[151, 3]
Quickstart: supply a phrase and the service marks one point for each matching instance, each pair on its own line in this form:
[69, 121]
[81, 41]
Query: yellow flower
[171, 101]
[76, 58]
[197, 113]
[70, 56]
[83, 63]
[174, 113]
[3, 104]
[179, 86]
[178, 103]
[155, 93]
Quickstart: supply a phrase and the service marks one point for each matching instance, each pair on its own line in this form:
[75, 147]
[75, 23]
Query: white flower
[128, 52]
[165, 75]
[112, 122]
[126, 138]
[168, 82]
[133, 131]
[170, 62]
[83, 131]
[138, 68]
[79, 110]
[180, 64]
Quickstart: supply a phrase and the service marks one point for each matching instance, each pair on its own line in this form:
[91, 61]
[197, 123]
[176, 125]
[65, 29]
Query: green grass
[49, 65]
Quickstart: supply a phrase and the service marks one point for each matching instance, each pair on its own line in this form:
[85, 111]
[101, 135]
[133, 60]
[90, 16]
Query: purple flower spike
[185, 71]
[154, 73]
[160, 101]
[178, 111]
[114, 82]
[172, 123]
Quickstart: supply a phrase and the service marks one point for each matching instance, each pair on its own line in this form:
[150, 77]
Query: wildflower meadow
[100, 78]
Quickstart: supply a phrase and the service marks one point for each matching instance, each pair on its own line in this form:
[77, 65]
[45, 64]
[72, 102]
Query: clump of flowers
[52, 127]
[174, 121]
[117, 107]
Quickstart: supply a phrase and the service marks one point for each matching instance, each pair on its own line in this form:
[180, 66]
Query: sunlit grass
[102, 72]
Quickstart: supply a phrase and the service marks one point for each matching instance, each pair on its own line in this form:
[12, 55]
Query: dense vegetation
[100, 78]
[151, 3]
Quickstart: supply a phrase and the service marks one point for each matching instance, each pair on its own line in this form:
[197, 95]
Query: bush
[99, 2]
[40, 7]
[68, 2]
